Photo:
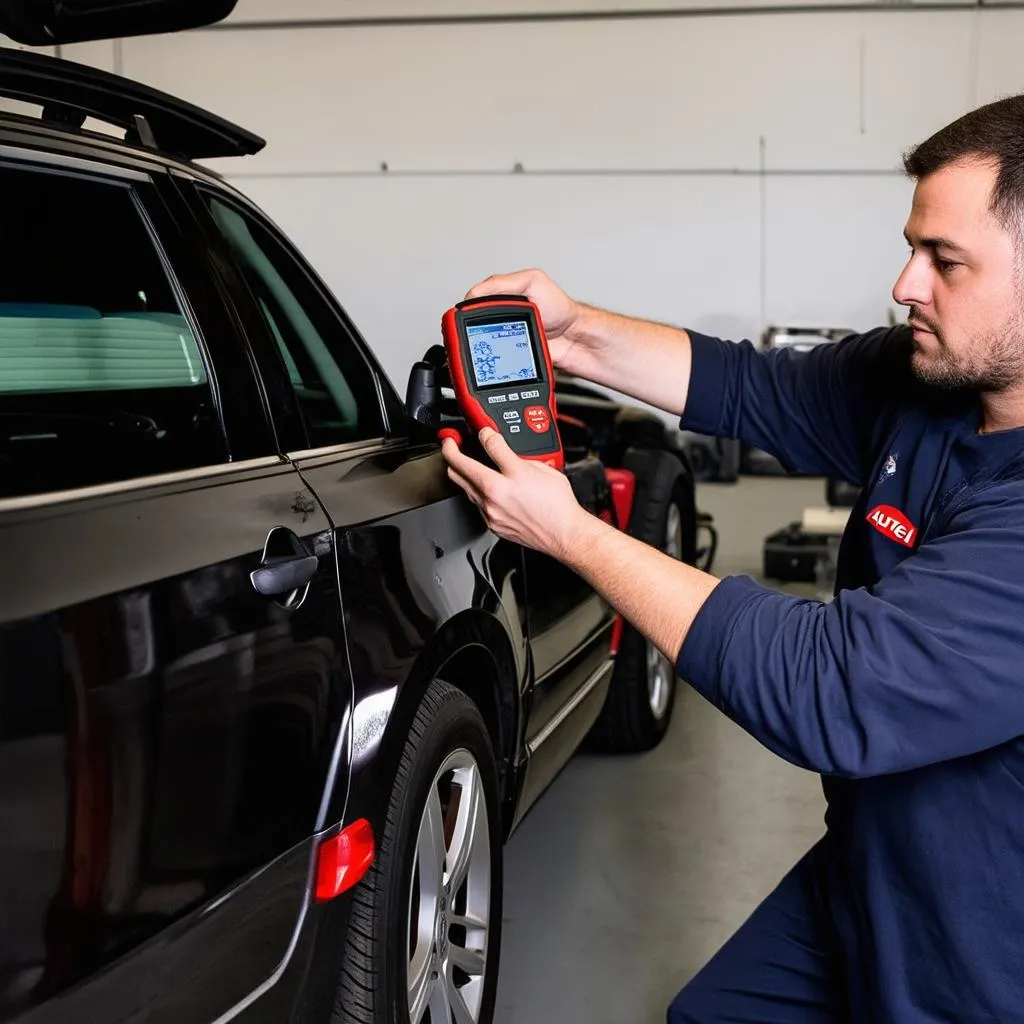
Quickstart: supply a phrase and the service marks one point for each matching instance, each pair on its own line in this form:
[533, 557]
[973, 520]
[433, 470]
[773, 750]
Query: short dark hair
[992, 132]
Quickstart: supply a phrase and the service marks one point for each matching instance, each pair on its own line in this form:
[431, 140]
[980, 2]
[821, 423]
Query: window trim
[334, 451]
[188, 311]
[44, 499]
[138, 483]
[18, 156]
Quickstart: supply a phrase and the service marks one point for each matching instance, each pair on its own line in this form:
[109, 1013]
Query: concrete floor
[630, 872]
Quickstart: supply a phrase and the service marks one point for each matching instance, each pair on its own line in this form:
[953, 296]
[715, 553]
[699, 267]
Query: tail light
[344, 859]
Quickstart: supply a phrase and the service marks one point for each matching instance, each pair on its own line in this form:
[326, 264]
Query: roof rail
[70, 92]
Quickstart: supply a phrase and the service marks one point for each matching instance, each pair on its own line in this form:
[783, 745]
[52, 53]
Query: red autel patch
[893, 524]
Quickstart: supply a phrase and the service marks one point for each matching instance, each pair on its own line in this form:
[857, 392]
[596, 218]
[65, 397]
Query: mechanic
[906, 692]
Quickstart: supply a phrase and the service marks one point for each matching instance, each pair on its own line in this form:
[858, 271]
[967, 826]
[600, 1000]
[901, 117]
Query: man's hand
[558, 312]
[533, 504]
[522, 501]
[647, 360]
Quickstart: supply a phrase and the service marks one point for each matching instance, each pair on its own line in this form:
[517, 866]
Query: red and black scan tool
[502, 375]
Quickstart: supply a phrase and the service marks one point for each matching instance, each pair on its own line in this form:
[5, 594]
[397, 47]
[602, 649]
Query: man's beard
[993, 362]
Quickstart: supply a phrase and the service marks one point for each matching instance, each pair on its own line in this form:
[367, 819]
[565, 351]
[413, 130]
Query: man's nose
[912, 287]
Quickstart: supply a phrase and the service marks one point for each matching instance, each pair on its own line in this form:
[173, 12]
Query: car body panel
[422, 579]
[173, 731]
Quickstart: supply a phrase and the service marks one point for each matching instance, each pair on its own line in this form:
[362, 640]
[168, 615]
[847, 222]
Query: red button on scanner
[537, 418]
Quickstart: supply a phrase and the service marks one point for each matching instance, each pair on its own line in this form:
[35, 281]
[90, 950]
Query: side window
[331, 379]
[101, 378]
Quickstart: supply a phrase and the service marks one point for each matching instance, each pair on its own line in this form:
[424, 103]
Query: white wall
[723, 172]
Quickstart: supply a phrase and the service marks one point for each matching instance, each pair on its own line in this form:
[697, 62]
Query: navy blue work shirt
[906, 692]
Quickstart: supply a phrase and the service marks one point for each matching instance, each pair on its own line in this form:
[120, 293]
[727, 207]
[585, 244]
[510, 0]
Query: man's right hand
[558, 311]
[647, 360]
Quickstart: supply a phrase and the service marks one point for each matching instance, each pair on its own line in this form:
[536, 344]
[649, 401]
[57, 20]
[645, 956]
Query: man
[907, 691]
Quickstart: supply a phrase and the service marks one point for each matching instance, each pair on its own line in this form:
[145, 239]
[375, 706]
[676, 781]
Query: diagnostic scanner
[502, 375]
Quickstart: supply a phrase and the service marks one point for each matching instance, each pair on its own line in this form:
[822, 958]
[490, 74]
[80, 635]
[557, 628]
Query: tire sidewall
[457, 724]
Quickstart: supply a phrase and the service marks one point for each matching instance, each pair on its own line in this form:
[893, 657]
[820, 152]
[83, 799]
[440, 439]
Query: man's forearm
[648, 361]
[659, 595]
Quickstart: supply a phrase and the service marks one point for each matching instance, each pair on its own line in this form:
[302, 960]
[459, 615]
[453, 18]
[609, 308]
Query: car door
[167, 718]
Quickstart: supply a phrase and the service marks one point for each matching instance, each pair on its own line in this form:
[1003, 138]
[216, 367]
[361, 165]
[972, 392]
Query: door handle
[279, 574]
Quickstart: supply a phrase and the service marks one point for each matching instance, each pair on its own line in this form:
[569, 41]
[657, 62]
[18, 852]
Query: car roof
[157, 126]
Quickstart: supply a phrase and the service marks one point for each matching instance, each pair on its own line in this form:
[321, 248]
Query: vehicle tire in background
[426, 921]
[642, 693]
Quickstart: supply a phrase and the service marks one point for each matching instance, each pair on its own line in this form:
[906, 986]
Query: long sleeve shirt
[906, 691]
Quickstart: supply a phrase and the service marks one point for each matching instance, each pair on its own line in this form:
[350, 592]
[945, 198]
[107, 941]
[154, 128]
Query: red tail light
[344, 859]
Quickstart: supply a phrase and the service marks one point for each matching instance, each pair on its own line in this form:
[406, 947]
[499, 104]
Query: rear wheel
[425, 933]
[642, 694]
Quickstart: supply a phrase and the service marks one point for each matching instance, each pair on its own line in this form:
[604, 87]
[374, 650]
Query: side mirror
[427, 407]
[423, 397]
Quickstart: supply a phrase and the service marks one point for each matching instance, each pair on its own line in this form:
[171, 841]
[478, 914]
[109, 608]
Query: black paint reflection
[154, 747]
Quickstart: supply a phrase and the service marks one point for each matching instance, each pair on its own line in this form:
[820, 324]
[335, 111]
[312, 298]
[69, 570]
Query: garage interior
[729, 167]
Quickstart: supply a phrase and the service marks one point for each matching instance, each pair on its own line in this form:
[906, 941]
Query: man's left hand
[523, 501]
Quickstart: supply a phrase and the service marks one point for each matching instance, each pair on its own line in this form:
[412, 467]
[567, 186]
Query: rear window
[101, 377]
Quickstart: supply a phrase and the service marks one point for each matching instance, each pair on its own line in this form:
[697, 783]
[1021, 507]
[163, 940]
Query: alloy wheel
[449, 898]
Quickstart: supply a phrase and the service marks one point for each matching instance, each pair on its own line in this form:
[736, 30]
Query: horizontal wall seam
[644, 14]
[637, 172]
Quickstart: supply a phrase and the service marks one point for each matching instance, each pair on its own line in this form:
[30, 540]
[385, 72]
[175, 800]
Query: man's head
[963, 280]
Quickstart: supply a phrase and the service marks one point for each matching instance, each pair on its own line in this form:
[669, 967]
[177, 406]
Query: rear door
[166, 730]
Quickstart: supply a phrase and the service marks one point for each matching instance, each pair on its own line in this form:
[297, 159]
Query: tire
[447, 734]
[641, 697]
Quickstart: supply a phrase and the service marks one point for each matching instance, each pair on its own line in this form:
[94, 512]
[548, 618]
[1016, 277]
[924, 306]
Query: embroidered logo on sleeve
[889, 469]
[893, 524]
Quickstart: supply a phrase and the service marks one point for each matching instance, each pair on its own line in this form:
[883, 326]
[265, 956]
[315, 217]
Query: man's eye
[947, 265]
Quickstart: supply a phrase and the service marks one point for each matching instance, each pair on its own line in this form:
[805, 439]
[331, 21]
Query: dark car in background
[272, 697]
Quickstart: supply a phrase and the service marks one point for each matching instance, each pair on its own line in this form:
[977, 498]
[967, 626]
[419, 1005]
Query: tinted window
[101, 378]
[334, 385]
